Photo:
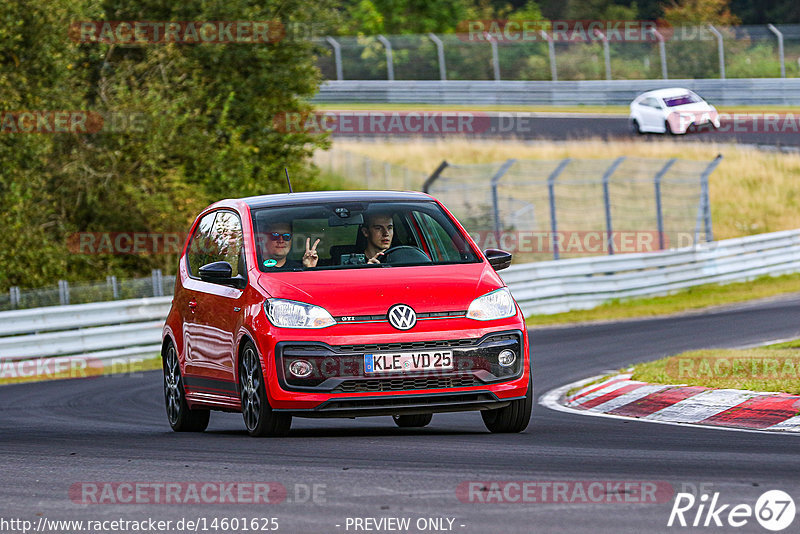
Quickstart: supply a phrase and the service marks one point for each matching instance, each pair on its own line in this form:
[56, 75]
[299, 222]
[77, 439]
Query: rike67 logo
[774, 510]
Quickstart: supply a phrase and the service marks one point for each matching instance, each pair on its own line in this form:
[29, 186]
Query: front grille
[405, 384]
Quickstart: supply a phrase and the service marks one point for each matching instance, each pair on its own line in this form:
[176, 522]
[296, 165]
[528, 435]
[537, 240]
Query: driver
[379, 231]
[279, 245]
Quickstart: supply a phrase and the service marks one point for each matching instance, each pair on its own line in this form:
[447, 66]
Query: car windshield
[356, 235]
[681, 100]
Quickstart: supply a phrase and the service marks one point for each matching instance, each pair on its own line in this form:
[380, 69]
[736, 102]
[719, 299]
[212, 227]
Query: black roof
[286, 199]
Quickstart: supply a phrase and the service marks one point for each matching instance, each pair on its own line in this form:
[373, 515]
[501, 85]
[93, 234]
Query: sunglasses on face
[275, 236]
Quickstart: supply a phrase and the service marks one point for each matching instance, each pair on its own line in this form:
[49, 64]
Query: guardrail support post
[440, 53]
[389, 57]
[720, 50]
[13, 293]
[551, 193]
[662, 53]
[779, 35]
[551, 51]
[659, 214]
[495, 201]
[426, 186]
[63, 292]
[337, 56]
[607, 201]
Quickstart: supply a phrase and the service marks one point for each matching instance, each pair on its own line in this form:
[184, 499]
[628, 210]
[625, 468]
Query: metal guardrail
[727, 92]
[126, 329]
[583, 283]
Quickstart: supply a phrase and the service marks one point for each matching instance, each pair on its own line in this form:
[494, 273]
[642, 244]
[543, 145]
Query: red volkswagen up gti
[341, 304]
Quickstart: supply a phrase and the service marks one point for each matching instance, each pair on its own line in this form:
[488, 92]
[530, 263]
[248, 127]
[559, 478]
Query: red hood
[370, 291]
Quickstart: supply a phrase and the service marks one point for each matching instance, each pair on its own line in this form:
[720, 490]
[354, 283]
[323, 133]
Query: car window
[422, 230]
[200, 250]
[681, 100]
[228, 239]
[218, 237]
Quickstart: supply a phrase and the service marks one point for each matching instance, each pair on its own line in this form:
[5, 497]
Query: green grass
[696, 298]
[773, 368]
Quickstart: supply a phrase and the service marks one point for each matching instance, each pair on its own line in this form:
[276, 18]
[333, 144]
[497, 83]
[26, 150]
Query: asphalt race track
[113, 429]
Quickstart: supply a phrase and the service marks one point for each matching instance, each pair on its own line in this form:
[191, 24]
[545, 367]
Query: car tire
[181, 418]
[636, 127]
[412, 421]
[511, 419]
[259, 417]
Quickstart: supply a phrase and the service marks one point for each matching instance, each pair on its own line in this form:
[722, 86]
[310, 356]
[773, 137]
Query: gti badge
[402, 317]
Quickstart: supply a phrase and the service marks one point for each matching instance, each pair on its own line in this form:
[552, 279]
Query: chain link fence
[541, 210]
[688, 52]
[155, 285]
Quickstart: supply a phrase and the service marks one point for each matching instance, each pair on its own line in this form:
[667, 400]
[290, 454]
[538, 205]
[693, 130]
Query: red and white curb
[726, 409]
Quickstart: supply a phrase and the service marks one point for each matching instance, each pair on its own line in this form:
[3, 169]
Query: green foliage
[202, 130]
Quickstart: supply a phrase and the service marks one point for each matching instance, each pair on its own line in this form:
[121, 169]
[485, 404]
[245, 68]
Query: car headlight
[293, 314]
[498, 304]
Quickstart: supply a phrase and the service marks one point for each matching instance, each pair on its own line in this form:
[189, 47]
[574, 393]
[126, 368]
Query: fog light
[507, 358]
[300, 368]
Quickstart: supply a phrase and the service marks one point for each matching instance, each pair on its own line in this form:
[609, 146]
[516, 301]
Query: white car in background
[672, 111]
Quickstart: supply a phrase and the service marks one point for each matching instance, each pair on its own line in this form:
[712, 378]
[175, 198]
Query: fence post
[63, 292]
[551, 193]
[434, 176]
[606, 53]
[659, 215]
[158, 287]
[720, 50]
[440, 53]
[389, 58]
[337, 57]
[662, 53]
[112, 282]
[495, 56]
[705, 199]
[779, 35]
[14, 295]
[495, 201]
[551, 51]
[607, 201]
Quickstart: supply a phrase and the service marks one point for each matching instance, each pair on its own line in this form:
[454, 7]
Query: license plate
[402, 362]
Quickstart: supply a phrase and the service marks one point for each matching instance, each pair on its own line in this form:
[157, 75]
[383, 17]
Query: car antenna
[286, 170]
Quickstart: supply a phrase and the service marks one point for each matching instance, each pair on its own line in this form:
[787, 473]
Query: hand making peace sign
[310, 257]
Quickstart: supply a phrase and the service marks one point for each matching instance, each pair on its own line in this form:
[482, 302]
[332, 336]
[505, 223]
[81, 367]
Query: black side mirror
[498, 259]
[220, 272]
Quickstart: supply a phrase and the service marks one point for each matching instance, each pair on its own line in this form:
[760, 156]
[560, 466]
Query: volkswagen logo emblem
[402, 317]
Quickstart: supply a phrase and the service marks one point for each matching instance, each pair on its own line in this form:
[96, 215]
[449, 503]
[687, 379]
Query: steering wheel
[405, 254]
